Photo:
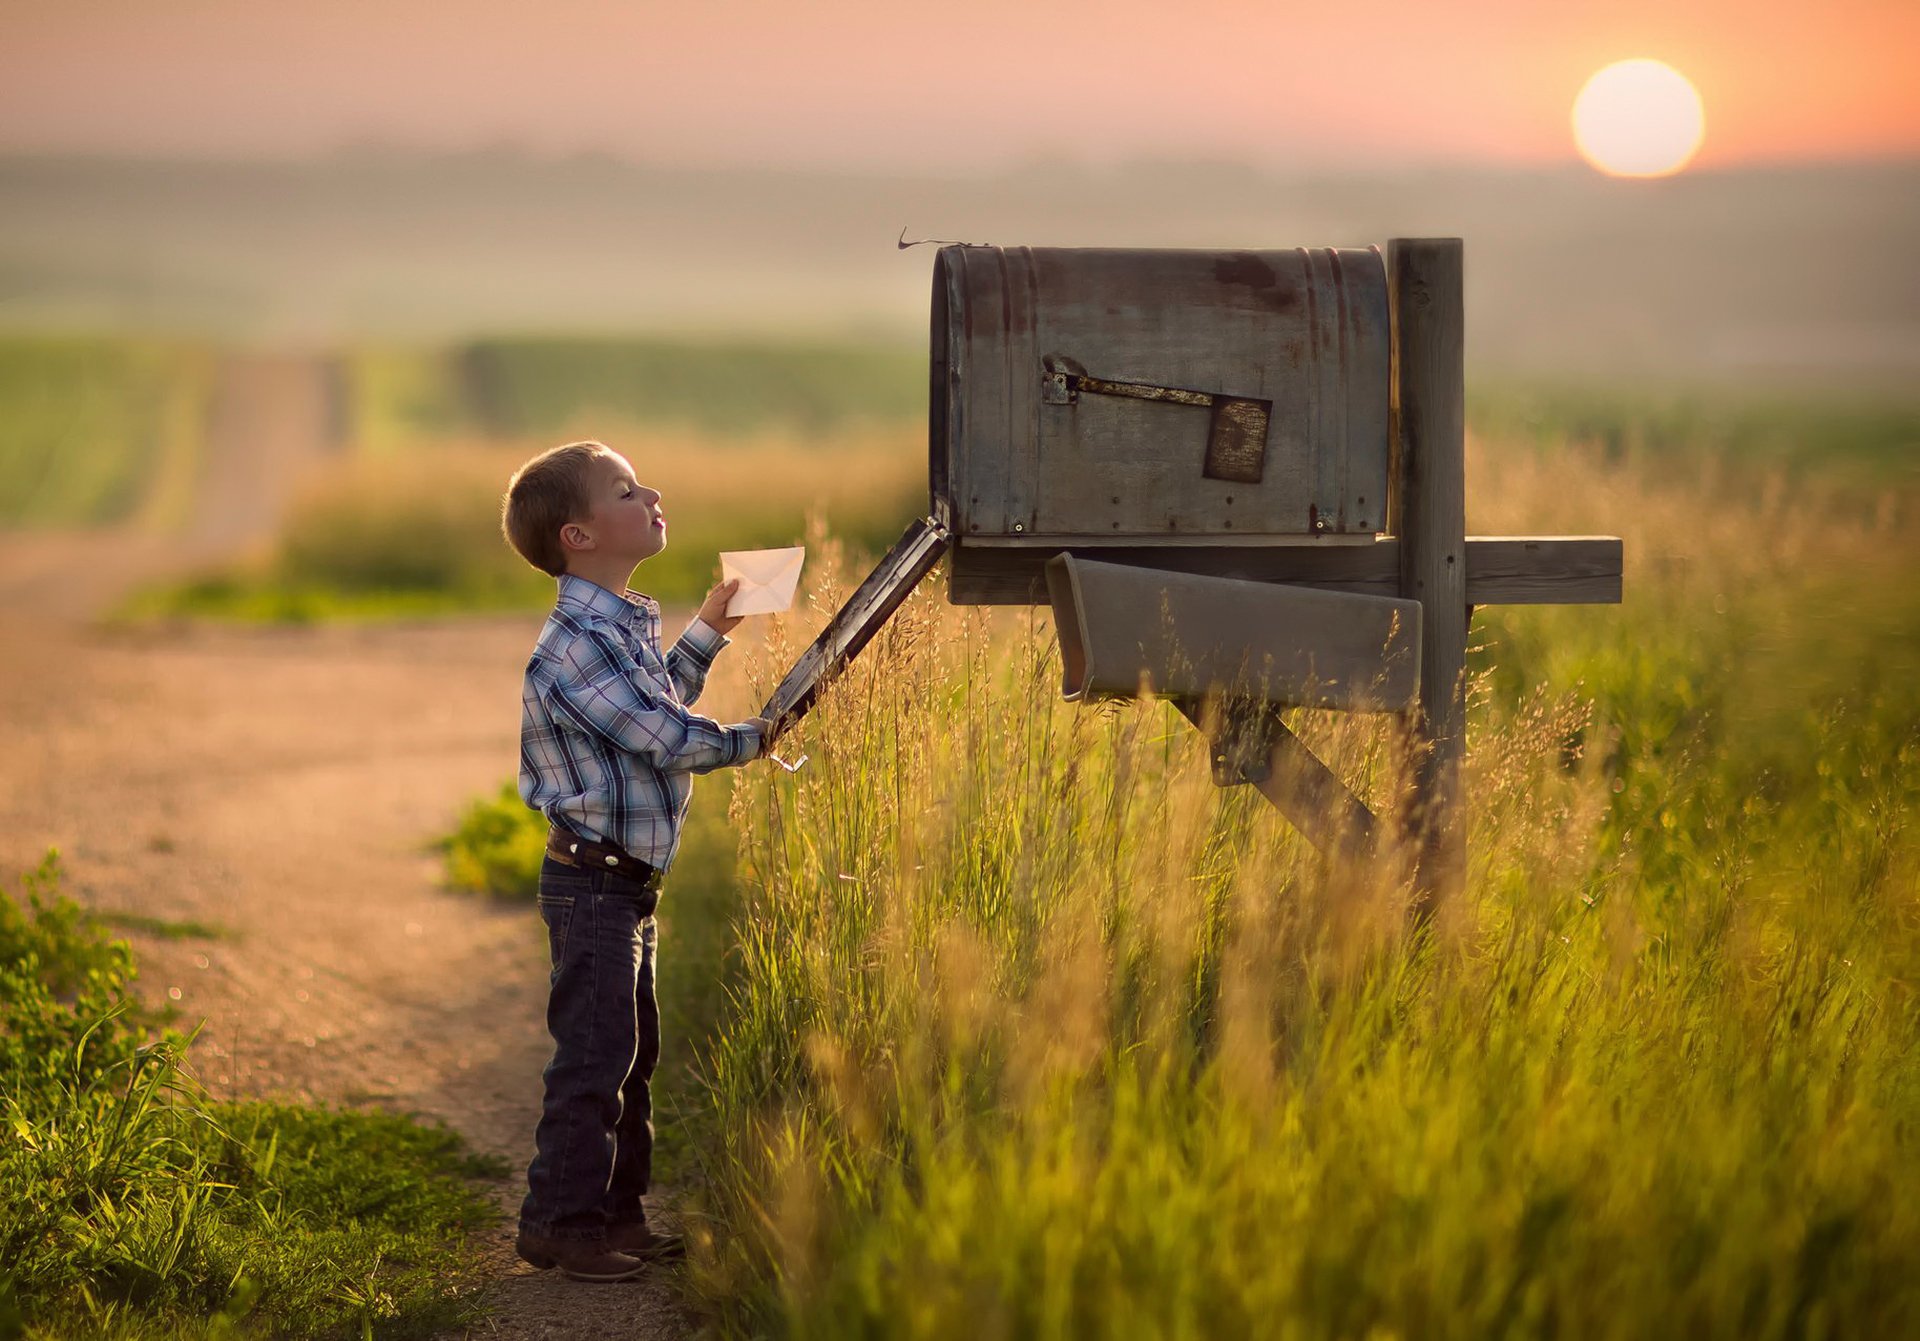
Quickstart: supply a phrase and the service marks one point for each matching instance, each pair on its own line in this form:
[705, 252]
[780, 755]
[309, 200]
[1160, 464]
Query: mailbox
[1239, 479]
[1186, 395]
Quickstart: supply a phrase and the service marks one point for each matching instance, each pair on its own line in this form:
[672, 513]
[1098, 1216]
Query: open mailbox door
[853, 626]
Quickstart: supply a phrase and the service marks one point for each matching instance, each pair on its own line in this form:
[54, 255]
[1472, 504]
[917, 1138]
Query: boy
[606, 747]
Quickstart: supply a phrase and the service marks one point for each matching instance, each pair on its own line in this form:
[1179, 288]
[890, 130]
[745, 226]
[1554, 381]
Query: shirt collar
[628, 608]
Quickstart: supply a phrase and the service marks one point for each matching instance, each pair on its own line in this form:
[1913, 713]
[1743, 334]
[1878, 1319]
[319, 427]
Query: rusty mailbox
[1238, 478]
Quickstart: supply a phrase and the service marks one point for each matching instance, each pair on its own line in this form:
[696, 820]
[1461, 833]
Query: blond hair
[544, 495]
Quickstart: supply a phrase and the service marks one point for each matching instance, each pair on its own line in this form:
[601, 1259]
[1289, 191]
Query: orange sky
[890, 84]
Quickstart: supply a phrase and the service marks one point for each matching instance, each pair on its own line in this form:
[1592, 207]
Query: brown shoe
[577, 1260]
[650, 1245]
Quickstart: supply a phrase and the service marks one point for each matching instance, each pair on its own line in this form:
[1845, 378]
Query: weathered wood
[1080, 391]
[872, 604]
[1430, 517]
[1501, 570]
[1543, 570]
[1312, 796]
[1190, 635]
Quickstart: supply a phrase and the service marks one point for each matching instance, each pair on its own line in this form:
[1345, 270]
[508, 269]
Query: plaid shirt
[606, 741]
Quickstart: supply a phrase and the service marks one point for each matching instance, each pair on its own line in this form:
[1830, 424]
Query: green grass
[544, 386]
[138, 1207]
[1037, 1033]
[94, 431]
[1827, 436]
[555, 386]
[418, 534]
[496, 847]
[168, 929]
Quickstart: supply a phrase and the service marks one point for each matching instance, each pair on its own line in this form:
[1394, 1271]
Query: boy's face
[624, 518]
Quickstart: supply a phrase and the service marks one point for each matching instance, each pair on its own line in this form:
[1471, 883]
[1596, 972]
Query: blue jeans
[593, 1149]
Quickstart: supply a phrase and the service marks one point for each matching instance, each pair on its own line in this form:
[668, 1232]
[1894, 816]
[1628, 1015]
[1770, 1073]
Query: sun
[1638, 118]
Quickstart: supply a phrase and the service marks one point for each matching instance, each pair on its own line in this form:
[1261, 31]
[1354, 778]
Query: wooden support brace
[1294, 780]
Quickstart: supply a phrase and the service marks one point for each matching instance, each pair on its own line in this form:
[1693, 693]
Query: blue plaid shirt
[606, 741]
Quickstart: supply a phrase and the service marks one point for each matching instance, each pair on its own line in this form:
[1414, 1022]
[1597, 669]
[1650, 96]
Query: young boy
[606, 747]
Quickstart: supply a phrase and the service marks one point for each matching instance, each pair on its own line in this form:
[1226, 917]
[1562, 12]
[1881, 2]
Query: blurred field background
[371, 338]
[392, 508]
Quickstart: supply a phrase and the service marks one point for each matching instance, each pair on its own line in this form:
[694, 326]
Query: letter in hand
[768, 578]
[714, 609]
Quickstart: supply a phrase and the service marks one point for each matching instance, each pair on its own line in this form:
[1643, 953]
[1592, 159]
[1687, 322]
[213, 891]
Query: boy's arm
[692, 656]
[600, 691]
[689, 659]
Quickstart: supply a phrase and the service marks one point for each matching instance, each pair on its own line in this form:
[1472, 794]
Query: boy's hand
[714, 609]
[766, 734]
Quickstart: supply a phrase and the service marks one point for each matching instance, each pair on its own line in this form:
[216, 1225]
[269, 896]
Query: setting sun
[1638, 118]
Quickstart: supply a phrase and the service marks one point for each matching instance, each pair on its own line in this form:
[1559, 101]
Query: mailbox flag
[767, 578]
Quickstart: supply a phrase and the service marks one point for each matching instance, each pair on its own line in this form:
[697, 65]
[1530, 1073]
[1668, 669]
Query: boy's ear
[575, 536]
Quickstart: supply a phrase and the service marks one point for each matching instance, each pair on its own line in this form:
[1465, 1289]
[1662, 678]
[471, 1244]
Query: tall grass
[1037, 1033]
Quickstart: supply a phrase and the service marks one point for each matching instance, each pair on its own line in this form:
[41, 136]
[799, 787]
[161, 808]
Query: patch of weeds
[139, 1207]
[497, 846]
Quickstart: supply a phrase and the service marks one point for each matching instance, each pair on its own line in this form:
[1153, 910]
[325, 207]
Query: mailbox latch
[1236, 433]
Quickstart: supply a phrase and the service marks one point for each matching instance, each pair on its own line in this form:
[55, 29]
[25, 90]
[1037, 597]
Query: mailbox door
[871, 605]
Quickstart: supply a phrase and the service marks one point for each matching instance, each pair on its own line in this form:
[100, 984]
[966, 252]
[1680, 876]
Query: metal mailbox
[1118, 395]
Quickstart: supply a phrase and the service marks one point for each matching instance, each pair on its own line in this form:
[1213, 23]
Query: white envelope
[767, 578]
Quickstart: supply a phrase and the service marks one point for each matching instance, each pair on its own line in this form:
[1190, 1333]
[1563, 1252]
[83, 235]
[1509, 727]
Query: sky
[890, 85]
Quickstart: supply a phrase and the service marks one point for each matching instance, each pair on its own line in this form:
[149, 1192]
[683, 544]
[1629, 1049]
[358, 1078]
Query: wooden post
[1430, 517]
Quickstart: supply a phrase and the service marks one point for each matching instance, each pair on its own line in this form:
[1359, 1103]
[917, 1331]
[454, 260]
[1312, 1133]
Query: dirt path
[283, 785]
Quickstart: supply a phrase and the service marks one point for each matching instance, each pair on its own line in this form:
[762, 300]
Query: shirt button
[613, 861]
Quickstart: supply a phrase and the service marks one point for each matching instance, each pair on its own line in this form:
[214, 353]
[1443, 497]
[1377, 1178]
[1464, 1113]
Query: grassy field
[1039, 1034]
[750, 445]
[418, 533]
[1028, 1030]
[111, 429]
[138, 1207]
[94, 431]
[1031, 1031]
[556, 387]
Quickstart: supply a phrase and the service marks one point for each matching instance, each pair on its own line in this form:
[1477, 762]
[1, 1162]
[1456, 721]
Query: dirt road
[282, 785]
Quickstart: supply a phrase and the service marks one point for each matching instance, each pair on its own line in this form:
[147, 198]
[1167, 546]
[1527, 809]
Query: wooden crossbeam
[1501, 570]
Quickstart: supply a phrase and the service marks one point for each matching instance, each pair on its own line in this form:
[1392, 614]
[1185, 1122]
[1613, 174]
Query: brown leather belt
[570, 849]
